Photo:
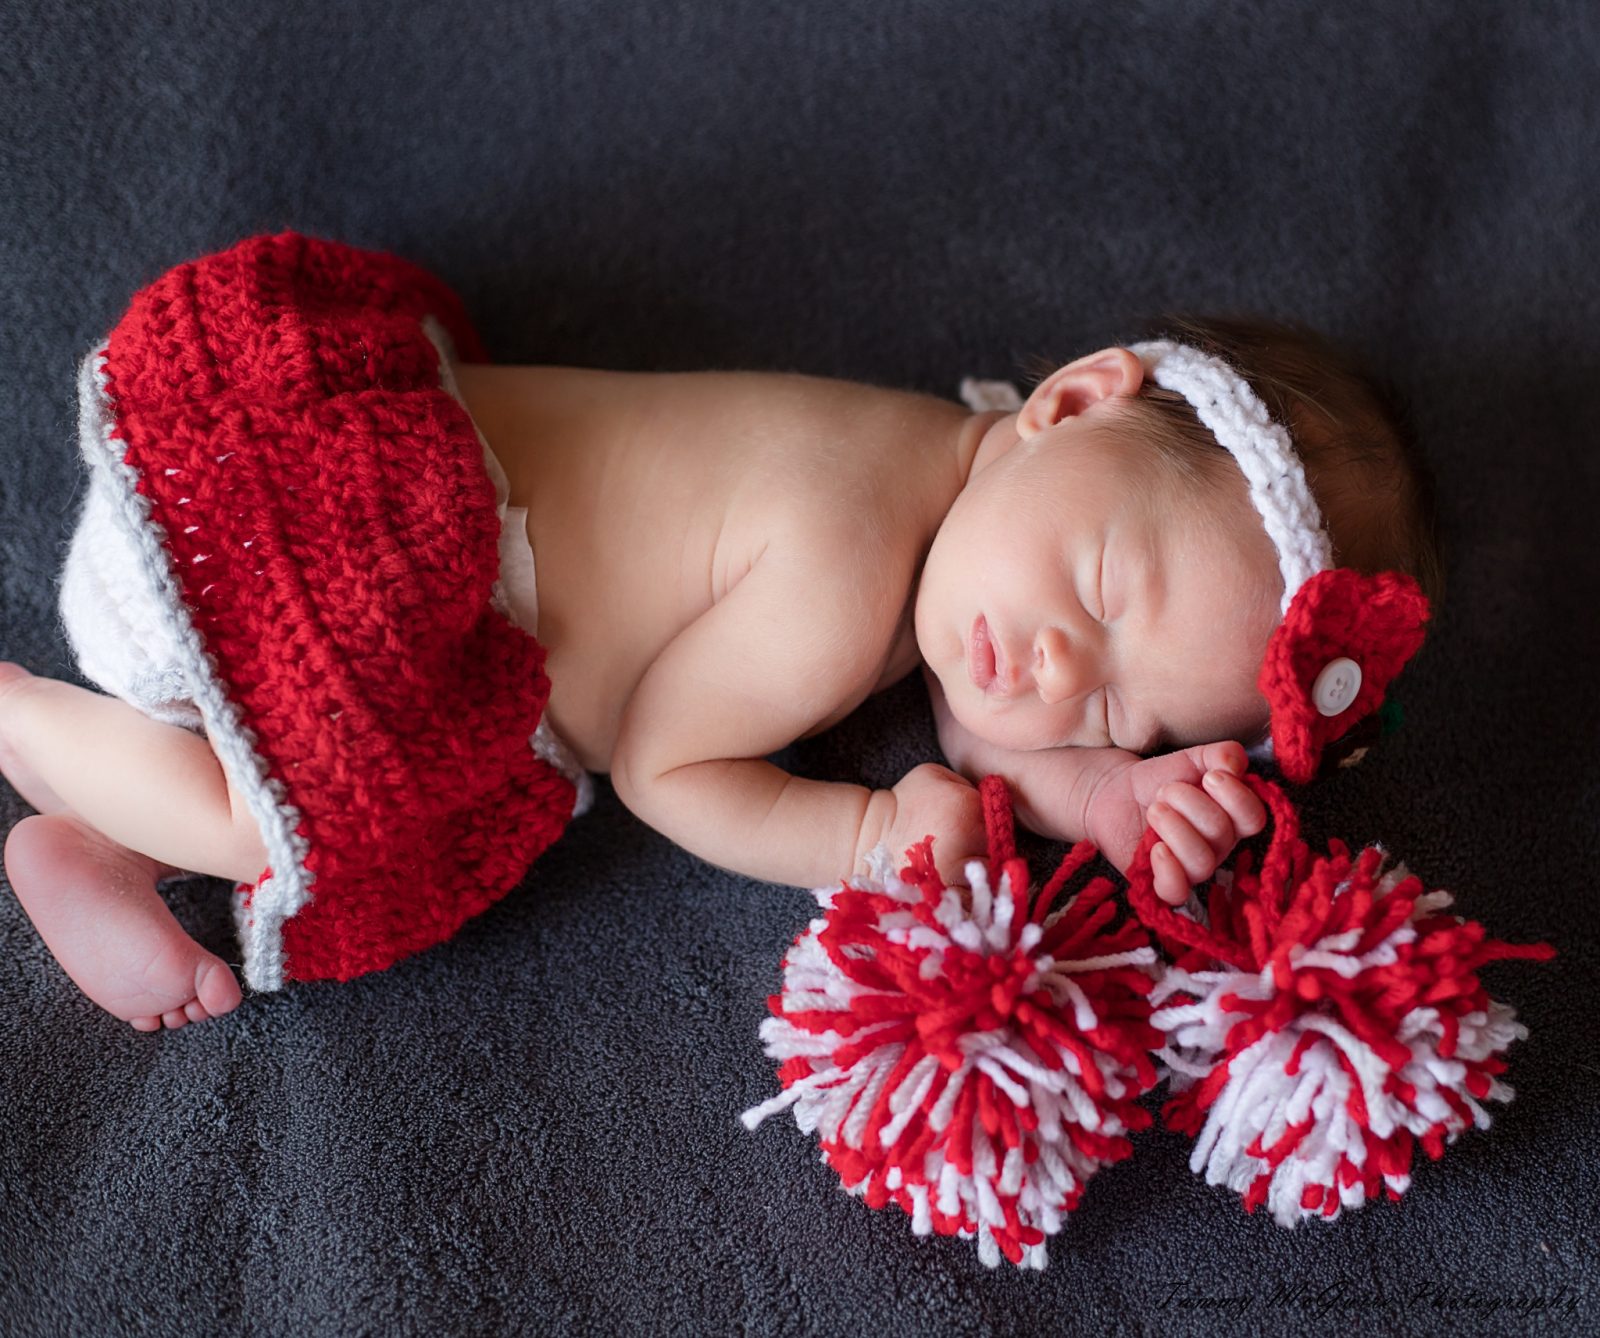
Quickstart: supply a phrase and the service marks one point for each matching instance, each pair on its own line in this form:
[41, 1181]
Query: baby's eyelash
[1099, 587]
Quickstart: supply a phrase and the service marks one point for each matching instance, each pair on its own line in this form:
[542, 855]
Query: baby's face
[1070, 600]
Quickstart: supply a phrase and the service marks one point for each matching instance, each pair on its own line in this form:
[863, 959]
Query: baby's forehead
[1210, 510]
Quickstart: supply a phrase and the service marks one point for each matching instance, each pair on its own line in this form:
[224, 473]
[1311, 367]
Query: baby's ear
[1069, 390]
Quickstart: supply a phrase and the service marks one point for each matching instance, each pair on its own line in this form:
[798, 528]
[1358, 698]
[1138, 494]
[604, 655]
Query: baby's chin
[1009, 733]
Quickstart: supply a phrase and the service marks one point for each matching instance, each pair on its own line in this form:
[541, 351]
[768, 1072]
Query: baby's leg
[25, 780]
[149, 786]
[122, 798]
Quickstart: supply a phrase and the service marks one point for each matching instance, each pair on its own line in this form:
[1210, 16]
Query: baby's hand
[1195, 801]
[931, 800]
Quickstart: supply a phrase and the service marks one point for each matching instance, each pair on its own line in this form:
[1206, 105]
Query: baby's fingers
[1171, 883]
[1207, 817]
[1188, 856]
[1228, 757]
[1248, 813]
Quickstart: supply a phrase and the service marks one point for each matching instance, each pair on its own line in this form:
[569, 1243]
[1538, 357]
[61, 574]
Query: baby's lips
[1342, 642]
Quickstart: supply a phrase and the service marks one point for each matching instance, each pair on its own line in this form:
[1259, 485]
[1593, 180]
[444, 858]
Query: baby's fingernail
[1214, 778]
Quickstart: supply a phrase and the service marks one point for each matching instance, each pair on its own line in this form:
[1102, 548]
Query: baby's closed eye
[1097, 592]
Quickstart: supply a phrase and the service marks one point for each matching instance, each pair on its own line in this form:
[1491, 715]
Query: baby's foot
[96, 906]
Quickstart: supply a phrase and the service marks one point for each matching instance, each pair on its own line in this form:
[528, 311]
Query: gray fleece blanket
[534, 1128]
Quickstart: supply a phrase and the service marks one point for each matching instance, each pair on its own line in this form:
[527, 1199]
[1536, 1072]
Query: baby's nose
[1059, 672]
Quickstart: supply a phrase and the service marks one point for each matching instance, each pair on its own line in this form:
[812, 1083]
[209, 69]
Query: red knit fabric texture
[1377, 621]
[330, 523]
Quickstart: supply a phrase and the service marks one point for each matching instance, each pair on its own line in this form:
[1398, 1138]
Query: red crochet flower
[1343, 640]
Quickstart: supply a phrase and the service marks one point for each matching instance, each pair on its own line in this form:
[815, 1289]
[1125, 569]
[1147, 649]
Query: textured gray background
[534, 1127]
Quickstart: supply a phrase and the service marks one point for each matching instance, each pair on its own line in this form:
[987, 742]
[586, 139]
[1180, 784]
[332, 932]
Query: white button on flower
[1336, 686]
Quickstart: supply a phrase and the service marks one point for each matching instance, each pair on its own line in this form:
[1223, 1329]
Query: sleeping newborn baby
[368, 610]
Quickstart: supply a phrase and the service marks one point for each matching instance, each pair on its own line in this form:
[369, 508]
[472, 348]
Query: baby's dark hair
[1350, 427]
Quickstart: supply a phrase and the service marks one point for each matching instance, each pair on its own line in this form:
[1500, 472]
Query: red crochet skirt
[306, 537]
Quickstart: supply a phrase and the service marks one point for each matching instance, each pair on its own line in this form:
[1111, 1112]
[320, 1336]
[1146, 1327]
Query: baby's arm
[1193, 798]
[780, 652]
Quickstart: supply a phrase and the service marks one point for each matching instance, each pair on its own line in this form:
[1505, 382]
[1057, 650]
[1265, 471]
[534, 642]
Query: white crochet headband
[1225, 403]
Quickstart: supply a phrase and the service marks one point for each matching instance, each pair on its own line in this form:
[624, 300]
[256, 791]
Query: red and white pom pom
[959, 1055]
[1324, 1019]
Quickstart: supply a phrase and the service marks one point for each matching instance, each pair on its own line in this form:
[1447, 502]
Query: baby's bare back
[650, 497]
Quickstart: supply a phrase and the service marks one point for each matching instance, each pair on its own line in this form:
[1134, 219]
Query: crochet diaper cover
[300, 510]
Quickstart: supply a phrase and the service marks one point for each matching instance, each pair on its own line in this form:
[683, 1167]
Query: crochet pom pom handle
[1321, 1018]
[1260, 917]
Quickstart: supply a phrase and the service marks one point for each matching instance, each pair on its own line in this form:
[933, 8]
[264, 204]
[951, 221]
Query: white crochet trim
[276, 898]
[1225, 403]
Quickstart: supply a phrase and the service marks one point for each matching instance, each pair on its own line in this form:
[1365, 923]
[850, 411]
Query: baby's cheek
[1026, 731]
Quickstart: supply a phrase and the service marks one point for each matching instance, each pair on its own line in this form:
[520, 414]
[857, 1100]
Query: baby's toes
[145, 1023]
[215, 989]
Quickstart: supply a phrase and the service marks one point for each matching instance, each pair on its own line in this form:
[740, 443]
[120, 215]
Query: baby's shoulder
[844, 461]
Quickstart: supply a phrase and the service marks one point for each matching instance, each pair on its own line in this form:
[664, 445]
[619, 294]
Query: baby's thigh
[153, 787]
